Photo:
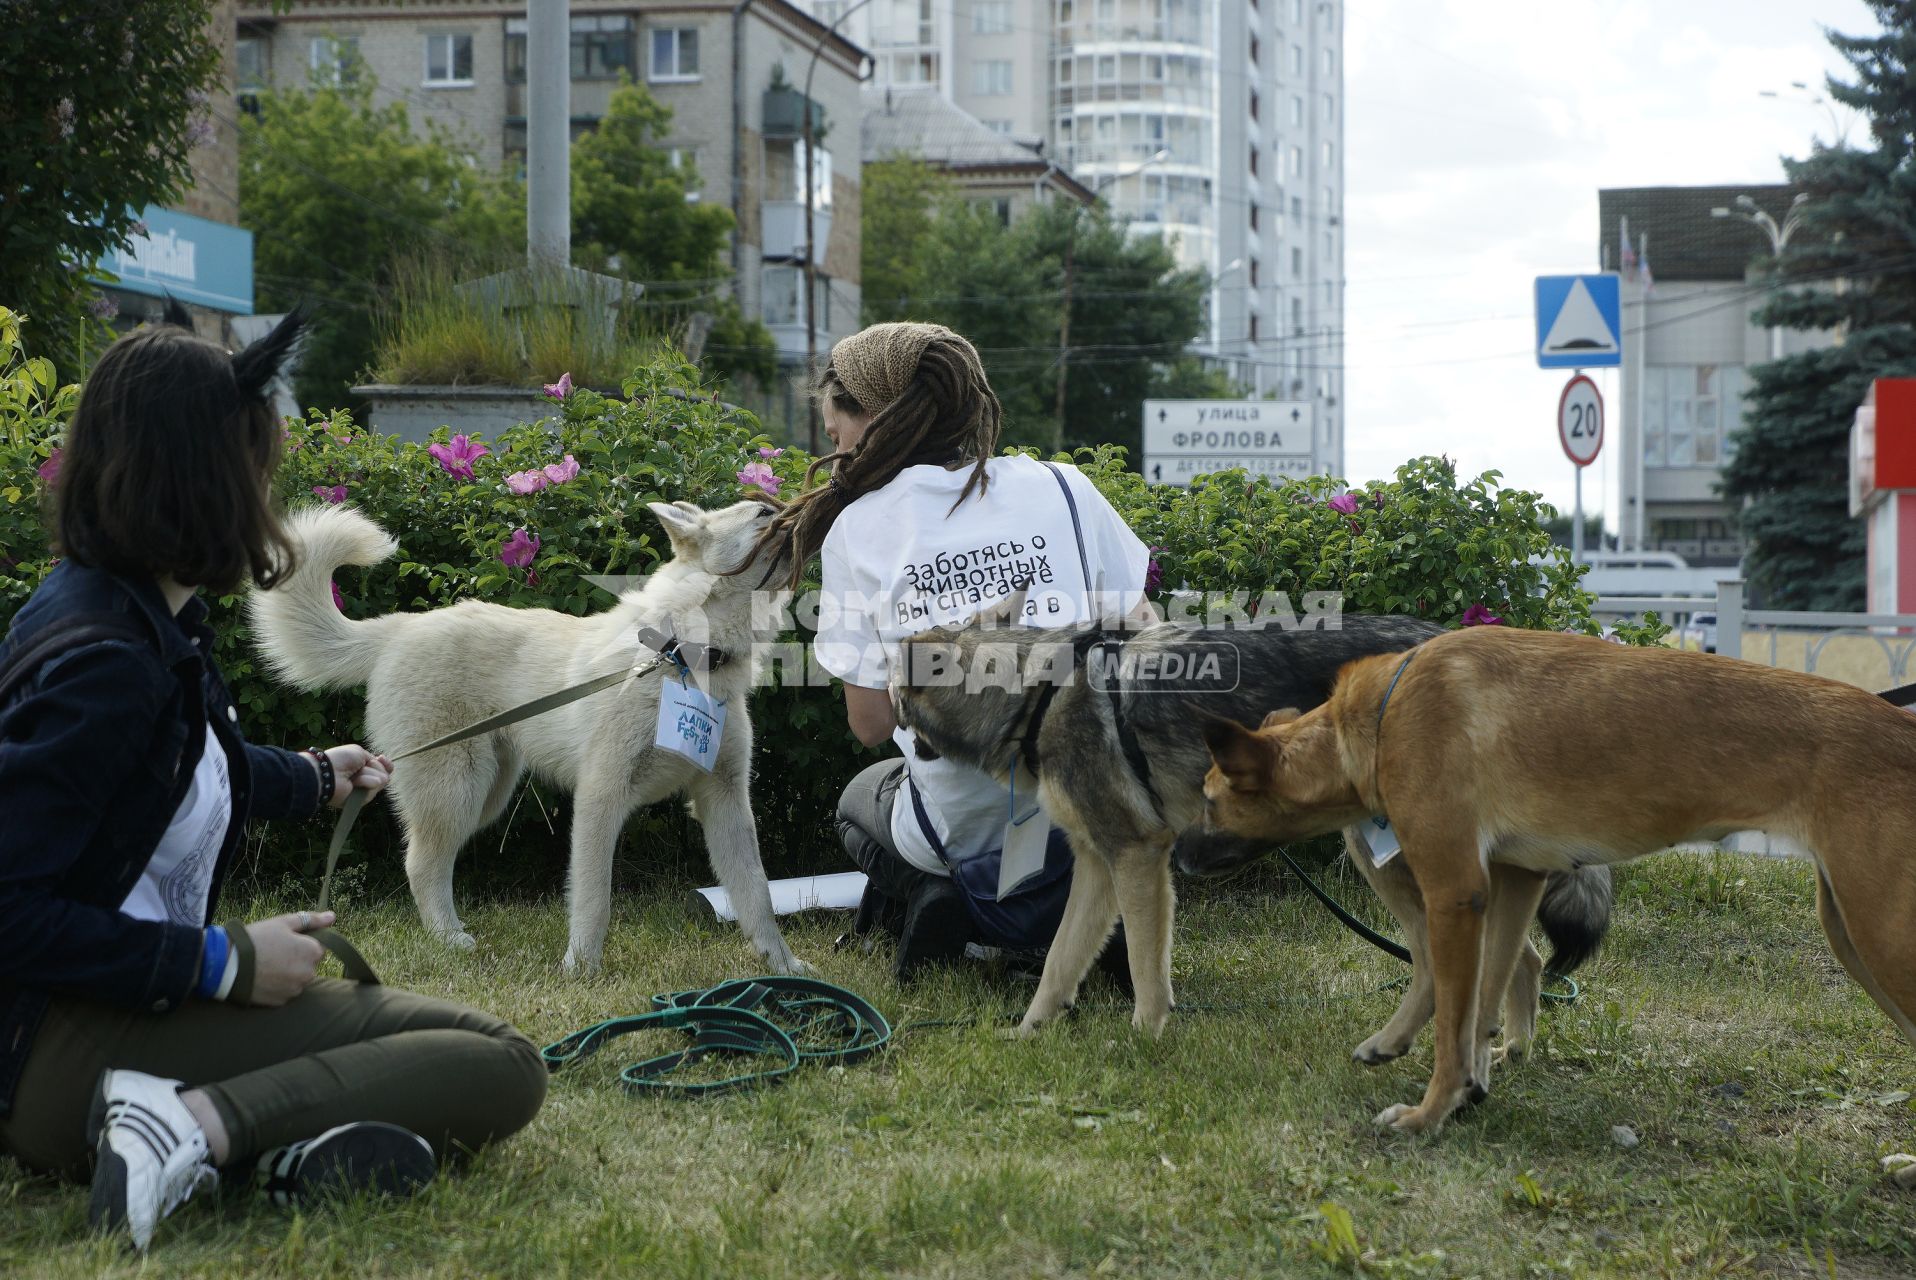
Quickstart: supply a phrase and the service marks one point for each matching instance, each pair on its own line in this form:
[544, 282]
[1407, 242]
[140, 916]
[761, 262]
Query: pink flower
[518, 550]
[334, 493]
[766, 451]
[1153, 575]
[526, 481]
[561, 389]
[339, 601]
[1478, 616]
[757, 473]
[560, 472]
[1344, 502]
[457, 458]
[49, 470]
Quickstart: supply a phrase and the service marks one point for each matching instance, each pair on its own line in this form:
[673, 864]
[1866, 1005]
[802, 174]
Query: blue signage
[193, 259]
[1579, 322]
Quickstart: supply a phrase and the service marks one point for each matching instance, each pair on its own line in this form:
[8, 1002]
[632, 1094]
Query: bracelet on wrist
[327, 781]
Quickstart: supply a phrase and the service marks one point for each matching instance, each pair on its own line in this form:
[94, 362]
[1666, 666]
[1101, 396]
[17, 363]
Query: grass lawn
[1763, 1083]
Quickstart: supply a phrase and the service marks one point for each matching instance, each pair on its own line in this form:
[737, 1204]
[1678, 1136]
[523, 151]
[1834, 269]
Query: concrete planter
[414, 413]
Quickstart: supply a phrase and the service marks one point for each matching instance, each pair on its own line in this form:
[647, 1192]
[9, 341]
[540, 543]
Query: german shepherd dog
[427, 674]
[1119, 756]
[1502, 755]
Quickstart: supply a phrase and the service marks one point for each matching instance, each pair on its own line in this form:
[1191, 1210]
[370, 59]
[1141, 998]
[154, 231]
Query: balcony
[784, 233]
[784, 114]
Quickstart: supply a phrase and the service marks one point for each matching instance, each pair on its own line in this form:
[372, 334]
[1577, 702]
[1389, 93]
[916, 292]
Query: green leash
[788, 1020]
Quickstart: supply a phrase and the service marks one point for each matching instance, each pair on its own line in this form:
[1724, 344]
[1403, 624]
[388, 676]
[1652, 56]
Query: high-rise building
[1217, 124]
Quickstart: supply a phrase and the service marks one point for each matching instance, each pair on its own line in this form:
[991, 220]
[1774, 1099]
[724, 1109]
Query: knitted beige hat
[877, 364]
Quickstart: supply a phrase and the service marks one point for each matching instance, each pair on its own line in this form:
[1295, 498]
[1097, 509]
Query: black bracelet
[326, 781]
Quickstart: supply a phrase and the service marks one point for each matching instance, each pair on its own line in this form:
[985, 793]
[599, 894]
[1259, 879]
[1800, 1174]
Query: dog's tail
[1575, 914]
[305, 638]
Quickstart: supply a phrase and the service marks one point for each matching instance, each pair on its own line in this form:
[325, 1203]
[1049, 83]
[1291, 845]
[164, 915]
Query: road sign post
[1580, 431]
[1184, 439]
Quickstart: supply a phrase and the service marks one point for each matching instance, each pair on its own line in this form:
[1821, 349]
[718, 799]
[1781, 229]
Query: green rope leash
[787, 1020]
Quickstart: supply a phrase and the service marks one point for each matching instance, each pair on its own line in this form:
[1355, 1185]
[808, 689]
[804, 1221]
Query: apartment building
[989, 167]
[728, 72]
[1689, 338]
[1217, 124]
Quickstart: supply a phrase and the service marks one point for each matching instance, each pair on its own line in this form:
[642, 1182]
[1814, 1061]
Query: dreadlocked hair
[933, 405]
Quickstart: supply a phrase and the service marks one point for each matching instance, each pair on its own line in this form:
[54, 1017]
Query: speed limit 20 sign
[1580, 420]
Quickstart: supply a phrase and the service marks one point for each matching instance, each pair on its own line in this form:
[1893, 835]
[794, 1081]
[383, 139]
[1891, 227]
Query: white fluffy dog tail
[304, 636]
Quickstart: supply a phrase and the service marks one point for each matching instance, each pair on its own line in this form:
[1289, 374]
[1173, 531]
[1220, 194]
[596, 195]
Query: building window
[1297, 209]
[1253, 273]
[1297, 161]
[1107, 69]
[675, 54]
[1253, 159]
[1253, 104]
[1254, 217]
[1253, 326]
[449, 61]
[991, 77]
[828, 11]
[686, 161]
[1297, 13]
[1329, 156]
[603, 47]
[1297, 263]
[1297, 316]
[255, 66]
[1297, 112]
[1330, 62]
[1330, 109]
[1297, 60]
[997, 126]
[990, 17]
[1253, 50]
[1690, 413]
[334, 59]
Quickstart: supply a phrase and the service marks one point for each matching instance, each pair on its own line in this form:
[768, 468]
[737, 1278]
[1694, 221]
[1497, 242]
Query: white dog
[427, 674]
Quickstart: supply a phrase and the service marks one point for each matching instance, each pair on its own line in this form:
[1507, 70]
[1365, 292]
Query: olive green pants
[338, 1052]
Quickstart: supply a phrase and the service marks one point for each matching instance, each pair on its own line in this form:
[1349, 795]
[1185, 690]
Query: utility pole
[811, 249]
[548, 133]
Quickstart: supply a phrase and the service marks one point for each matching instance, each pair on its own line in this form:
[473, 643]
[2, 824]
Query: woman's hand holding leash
[354, 766]
[285, 960]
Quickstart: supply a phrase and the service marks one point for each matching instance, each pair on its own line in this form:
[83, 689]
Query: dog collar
[686, 653]
[1385, 704]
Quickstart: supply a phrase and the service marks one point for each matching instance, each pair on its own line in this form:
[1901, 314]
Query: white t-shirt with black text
[895, 564]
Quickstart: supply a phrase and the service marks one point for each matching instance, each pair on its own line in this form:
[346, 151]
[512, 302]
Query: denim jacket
[97, 749]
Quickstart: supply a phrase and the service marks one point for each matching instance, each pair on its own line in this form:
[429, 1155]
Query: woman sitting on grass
[133, 1029]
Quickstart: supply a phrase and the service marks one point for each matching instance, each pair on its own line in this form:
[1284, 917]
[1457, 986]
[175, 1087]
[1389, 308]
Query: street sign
[1579, 322]
[1580, 420]
[1188, 438]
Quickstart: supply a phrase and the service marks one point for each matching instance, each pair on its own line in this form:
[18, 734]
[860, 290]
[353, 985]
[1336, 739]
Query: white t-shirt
[179, 876]
[895, 564]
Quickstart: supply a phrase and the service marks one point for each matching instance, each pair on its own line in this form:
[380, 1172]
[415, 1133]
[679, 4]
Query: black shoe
[937, 927]
[368, 1155]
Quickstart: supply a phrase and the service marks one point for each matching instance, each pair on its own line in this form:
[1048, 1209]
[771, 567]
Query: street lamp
[1217, 303]
[1839, 133]
[1070, 254]
[1746, 210]
[811, 249]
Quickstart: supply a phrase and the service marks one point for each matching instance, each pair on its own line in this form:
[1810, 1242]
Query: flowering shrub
[523, 518]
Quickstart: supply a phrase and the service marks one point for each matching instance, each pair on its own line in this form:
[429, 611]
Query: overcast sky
[1479, 132]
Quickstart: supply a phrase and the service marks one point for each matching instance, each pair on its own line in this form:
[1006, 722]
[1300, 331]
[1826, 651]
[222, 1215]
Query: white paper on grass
[839, 891]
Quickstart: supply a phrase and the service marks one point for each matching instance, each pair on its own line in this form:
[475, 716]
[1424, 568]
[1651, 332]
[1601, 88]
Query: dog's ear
[690, 508]
[1007, 611]
[680, 526]
[1245, 757]
[1283, 715]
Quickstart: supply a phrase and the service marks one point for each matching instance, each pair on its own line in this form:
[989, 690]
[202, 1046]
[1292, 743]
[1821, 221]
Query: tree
[932, 254]
[635, 214]
[337, 192]
[1853, 265]
[102, 102]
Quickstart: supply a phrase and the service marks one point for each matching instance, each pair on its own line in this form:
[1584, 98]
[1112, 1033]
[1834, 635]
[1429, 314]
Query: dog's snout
[1204, 853]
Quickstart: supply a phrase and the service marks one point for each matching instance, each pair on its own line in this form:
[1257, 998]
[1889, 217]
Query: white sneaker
[150, 1154]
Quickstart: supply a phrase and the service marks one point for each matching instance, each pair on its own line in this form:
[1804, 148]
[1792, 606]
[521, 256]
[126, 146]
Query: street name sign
[1188, 438]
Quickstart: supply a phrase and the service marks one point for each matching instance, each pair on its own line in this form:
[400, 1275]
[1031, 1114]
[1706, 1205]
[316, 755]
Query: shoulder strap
[63, 634]
[1903, 697]
[1077, 531]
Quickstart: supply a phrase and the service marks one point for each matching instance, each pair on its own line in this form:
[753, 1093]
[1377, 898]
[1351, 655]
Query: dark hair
[948, 413]
[167, 465]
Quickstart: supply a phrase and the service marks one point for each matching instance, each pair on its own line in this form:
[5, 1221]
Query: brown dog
[1498, 754]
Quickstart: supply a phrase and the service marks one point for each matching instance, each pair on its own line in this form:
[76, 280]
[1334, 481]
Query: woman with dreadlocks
[134, 1031]
[920, 525]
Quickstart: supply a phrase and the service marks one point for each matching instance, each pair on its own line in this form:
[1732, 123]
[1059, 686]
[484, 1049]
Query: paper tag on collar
[1027, 835]
[690, 723]
[1379, 841]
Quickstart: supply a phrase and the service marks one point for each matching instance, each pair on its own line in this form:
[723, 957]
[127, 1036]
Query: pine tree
[1853, 268]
